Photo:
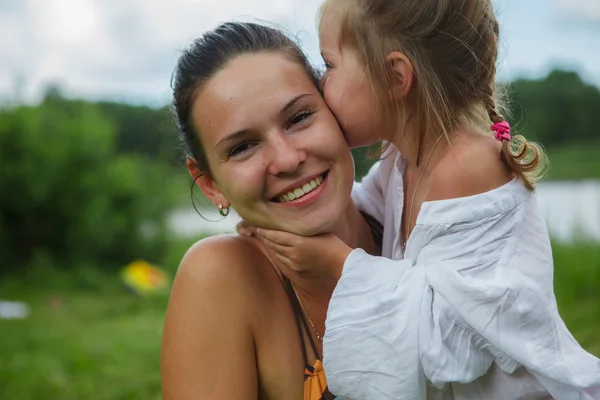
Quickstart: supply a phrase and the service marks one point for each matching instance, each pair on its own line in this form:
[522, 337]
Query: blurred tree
[69, 195]
[556, 110]
[143, 130]
[364, 158]
[53, 92]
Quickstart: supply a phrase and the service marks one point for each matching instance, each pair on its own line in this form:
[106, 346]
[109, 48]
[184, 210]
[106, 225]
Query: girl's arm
[370, 348]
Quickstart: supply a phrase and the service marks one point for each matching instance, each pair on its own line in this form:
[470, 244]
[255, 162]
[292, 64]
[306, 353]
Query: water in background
[571, 210]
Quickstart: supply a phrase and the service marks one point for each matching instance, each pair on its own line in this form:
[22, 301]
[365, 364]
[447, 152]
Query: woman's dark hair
[209, 54]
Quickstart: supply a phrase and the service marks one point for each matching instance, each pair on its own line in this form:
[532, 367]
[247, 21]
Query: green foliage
[575, 161]
[560, 109]
[143, 130]
[69, 196]
[364, 158]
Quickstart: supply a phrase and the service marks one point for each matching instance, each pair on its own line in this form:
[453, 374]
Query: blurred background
[95, 205]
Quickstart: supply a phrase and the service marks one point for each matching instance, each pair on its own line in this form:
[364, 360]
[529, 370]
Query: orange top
[315, 383]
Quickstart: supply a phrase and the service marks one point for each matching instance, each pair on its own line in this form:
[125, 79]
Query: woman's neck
[352, 230]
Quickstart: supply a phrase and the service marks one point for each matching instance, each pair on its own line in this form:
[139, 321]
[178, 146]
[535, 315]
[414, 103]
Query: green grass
[86, 337]
[577, 289]
[92, 346]
[577, 161]
[103, 343]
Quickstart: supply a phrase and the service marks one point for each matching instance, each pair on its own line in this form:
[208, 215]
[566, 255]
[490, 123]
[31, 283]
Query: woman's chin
[309, 221]
[311, 228]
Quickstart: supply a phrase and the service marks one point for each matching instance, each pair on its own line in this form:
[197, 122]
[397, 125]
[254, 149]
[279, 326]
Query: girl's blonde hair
[453, 47]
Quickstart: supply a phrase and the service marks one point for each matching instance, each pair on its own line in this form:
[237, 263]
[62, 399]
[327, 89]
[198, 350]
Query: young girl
[462, 305]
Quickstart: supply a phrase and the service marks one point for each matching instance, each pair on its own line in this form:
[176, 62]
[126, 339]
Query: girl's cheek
[328, 95]
[323, 82]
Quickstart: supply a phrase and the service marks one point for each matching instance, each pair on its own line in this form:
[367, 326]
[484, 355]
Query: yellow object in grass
[143, 278]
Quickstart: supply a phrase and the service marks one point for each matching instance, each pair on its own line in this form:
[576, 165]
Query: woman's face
[275, 151]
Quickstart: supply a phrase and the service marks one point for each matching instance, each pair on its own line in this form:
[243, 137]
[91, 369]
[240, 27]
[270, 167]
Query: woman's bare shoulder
[224, 261]
[209, 331]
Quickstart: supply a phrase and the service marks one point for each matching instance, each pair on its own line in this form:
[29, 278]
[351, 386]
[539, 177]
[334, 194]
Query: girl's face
[346, 88]
[275, 151]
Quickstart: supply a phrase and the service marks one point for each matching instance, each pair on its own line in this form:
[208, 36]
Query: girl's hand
[245, 229]
[318, 256]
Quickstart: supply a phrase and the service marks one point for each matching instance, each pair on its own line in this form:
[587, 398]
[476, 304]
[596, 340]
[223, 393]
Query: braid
[523, 158]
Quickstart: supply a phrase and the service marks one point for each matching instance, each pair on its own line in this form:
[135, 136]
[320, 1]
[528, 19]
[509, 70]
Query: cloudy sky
[126, 49]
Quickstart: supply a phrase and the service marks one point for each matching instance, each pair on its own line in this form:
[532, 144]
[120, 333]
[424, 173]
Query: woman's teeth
[301, 191]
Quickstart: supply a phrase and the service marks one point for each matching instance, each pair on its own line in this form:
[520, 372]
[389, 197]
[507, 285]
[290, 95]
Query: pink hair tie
[502, 131]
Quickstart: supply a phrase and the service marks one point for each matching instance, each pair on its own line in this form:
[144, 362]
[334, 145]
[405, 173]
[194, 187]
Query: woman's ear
[204, 181]
[402, 73]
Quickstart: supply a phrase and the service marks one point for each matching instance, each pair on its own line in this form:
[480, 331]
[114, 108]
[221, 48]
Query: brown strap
[297, 314]
[376, 228]
[302, 325]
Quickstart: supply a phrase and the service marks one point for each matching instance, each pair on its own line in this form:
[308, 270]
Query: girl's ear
[205, 182]
[402, 74]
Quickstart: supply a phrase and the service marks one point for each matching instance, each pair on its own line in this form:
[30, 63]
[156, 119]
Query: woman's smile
[303, 192]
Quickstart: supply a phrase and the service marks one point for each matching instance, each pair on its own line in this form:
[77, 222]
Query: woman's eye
[240, 149]
[328, 66]
[298, 118]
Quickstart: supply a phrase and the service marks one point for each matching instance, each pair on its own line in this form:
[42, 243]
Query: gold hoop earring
[224, 211]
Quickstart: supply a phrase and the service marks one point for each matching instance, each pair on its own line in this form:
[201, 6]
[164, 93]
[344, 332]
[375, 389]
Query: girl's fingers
[285, 261]
[279, 237]
[276, 247]
[245, 229]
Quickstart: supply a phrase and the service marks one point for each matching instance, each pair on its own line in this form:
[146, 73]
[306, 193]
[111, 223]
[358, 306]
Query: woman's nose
[286, 156]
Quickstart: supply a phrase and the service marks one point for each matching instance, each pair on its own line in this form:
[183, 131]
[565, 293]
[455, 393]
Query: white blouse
[467, 313]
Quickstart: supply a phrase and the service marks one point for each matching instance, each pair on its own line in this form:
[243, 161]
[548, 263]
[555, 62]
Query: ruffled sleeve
[468, 295]
[509, 320]
[370, 347]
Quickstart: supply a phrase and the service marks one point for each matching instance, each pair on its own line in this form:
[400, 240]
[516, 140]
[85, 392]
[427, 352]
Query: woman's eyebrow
[292, 103]
[234, 136]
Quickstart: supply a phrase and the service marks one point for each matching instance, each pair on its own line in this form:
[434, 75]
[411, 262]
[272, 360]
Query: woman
[260, 139]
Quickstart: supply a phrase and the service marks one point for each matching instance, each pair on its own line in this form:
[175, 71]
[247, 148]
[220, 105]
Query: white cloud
[588, 10]
[122, 48]
[127, 49]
